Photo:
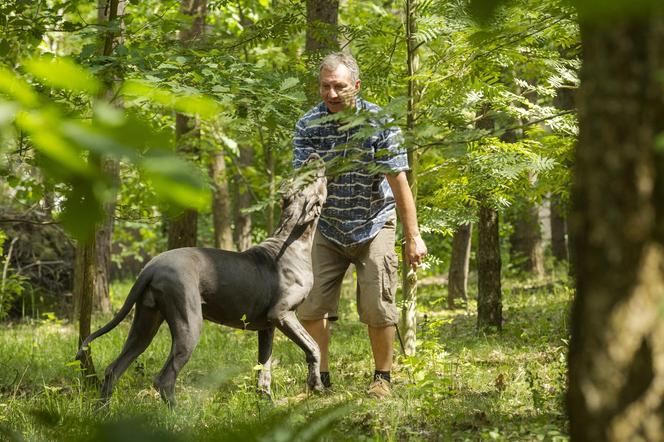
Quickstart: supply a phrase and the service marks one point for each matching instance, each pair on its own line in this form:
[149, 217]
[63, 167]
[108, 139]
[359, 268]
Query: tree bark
[489, 292]
[93, 255]
[526, 248]
[616, 357]
[558, 230]
[322, 18]
[84, 282]
[183, 228]
[221, 207]
[457, 285]
[409, 276]
[242, 193]
[321, 38]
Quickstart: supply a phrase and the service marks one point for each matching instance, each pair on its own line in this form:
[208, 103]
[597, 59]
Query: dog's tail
[137, 289]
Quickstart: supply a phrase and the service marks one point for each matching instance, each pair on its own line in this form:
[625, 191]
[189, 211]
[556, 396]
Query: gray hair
[330, 63]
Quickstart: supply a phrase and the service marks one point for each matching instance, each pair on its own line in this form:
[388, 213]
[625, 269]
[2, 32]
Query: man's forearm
[415, 249]
[405, 204]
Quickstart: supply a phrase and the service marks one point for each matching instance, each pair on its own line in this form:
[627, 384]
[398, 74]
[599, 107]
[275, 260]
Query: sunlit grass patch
[461, 384]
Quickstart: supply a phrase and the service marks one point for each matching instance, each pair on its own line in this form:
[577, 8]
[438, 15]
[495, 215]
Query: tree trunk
[104, 242]
[84, 288]
[243, 200]
[409, 276]
[221, 207]
[110, 167]
[183, 228]
[321, 39]
[558, 230]
[526, 246]
[322, 18]
[457, 285]
[489, 293]
[93, 255]
[616, 358]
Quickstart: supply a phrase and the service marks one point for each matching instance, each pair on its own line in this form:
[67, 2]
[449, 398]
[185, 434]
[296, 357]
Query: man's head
[339, 81]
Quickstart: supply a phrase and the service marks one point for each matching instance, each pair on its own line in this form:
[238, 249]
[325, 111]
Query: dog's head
[304, 195]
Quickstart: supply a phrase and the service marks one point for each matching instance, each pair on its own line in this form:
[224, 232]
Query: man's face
[337, 89]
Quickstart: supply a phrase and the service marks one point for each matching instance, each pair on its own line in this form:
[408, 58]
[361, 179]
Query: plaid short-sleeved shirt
[359, 198]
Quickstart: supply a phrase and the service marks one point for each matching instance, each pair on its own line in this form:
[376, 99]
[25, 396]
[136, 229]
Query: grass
[461, 385]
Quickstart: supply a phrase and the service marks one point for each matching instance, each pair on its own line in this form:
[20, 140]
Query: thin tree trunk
[85, 270]
[489, 292]
[616, 357]
[409, 276]
[457, 285]
[558, 230]
[183, 228]
[221, 207]
[93, 254]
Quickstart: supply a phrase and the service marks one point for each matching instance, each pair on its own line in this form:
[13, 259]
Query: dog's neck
[290, 237]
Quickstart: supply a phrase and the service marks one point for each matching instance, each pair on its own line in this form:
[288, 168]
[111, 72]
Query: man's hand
[416, 250]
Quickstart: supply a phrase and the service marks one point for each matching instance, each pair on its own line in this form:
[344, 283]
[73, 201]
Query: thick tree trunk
[243, 200]
[457, 285]
[526, 248]
[558, 230]
[221, 207]
[489, 292]
[616, 358]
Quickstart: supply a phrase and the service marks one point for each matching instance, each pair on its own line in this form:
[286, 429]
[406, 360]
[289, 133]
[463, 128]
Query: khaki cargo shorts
[376, 263]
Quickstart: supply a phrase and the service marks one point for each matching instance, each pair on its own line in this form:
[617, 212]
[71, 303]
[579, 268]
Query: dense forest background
[130, 128]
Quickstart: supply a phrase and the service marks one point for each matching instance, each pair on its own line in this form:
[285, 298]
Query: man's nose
[333, 92]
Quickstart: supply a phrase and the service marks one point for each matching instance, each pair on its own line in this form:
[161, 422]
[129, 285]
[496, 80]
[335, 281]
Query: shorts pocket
[390, 277]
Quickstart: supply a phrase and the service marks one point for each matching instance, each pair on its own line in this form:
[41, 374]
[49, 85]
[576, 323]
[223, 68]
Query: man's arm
[415, 247]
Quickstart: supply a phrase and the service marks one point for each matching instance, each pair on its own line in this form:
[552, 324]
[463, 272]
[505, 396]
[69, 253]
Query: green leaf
[289, 83]
[50, 143]
[190, 104]
[15, 87]
[176, 180]
[7, 112]
[62, 73]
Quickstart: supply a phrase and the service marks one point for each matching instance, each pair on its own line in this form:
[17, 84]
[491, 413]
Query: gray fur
[258, 289]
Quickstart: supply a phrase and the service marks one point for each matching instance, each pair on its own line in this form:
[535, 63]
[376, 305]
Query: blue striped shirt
[359, 198]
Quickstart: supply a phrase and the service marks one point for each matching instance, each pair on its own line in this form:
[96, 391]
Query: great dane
[257, 289]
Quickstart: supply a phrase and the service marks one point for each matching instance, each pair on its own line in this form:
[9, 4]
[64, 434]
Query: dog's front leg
[265, 338]
[289, 325]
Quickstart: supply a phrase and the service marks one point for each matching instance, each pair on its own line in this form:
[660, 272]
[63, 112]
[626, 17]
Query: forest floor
[461, 385]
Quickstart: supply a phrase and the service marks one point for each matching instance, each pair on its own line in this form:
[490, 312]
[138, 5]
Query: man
[366, 180]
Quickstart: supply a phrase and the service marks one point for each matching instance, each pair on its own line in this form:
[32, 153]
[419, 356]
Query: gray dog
[257, 289]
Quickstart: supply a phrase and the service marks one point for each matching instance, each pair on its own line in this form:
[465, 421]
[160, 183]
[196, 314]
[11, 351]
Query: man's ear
[358, 84]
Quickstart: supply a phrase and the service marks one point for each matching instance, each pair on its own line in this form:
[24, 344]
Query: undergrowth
[461, 384]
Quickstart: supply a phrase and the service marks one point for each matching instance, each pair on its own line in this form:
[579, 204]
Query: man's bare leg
[381, 345]
[319, 329]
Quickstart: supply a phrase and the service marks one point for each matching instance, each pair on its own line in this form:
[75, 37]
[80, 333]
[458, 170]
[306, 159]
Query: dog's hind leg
[186, 324]
[265, 339]
[143, 329]
[289, 325]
